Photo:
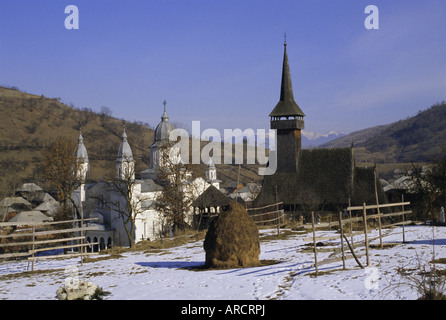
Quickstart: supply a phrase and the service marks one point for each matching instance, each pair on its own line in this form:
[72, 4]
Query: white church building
[99, 200]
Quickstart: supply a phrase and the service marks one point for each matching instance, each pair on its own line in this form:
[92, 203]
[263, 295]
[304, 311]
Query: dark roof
[324, 177]
[364, 187]
[286, 106]
[211, 197]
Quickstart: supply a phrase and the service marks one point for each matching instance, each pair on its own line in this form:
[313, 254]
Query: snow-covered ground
[165, 275]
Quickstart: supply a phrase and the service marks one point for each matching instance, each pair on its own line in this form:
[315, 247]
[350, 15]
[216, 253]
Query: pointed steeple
[165, 117]
[286, 107]
[125, 164]
[81, 154]
[125, 152]
[288, 119]
[81, 151]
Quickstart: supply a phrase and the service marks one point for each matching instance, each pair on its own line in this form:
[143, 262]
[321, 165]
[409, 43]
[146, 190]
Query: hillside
[29, 123]
[420, 138]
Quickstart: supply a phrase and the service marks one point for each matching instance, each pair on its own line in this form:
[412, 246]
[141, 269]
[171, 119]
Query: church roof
[125, 152]
[81, 151]
[324, 177]
[286, 106]
[149, 185]
[164, 128]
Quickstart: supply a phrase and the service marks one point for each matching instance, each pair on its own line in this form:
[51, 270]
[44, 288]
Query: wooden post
[277, 208]
[33, 248]
[82, 231]
[379, 213]
[314, 242]
[404, 235]
[380, 227]
[342, 240]
[351, 222]
[365, 233]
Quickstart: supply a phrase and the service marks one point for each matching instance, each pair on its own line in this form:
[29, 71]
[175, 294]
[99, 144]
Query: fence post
[404, 235]
[378, 211]
[380, 228]
[365, 233]
[351, 222]
[314, 242]
[342, 240]
[33, 248]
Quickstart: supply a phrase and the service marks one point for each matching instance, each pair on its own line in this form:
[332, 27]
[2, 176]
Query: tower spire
[165, 117]
[286, 107]
[82, 158]
[288, 119]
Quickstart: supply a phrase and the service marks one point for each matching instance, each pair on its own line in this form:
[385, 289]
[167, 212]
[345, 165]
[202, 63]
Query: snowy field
[164, 274]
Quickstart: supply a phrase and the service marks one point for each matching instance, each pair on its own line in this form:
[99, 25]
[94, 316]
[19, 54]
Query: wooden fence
[34, 234]
[268, 219]
[349, 221]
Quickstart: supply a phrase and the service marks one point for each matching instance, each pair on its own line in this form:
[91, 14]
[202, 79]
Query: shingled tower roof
[286, 107]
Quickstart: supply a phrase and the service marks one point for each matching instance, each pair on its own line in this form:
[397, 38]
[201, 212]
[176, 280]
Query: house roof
[403, 183]
[30, 217]
[211, 197]
[9, 201]
[49, 205]
[28, 187]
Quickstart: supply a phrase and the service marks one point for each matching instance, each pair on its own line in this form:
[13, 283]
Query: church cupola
[83, 166]
[211, 174]
[162, 132]
[211, 171]
[125, 164]
[288, 119]
[164, 128]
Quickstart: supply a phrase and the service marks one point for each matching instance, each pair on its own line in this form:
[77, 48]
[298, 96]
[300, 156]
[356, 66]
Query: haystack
[232, 240]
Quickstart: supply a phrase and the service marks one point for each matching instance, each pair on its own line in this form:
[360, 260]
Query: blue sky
[220, 61]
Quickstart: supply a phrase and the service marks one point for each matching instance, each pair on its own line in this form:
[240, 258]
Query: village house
[39, 209]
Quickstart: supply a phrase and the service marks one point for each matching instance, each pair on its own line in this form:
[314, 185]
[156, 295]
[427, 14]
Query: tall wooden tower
[288, 119]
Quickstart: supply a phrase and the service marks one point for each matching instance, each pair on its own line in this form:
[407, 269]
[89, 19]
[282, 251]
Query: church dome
[164, 128]
[81, 151]
[125, 152]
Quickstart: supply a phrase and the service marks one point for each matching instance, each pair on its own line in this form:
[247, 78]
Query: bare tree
[60, 167]
[174, 202]
[105, 115]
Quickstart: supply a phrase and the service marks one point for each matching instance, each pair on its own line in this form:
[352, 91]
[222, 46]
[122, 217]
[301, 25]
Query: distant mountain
[419, 138]
[313, 139]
